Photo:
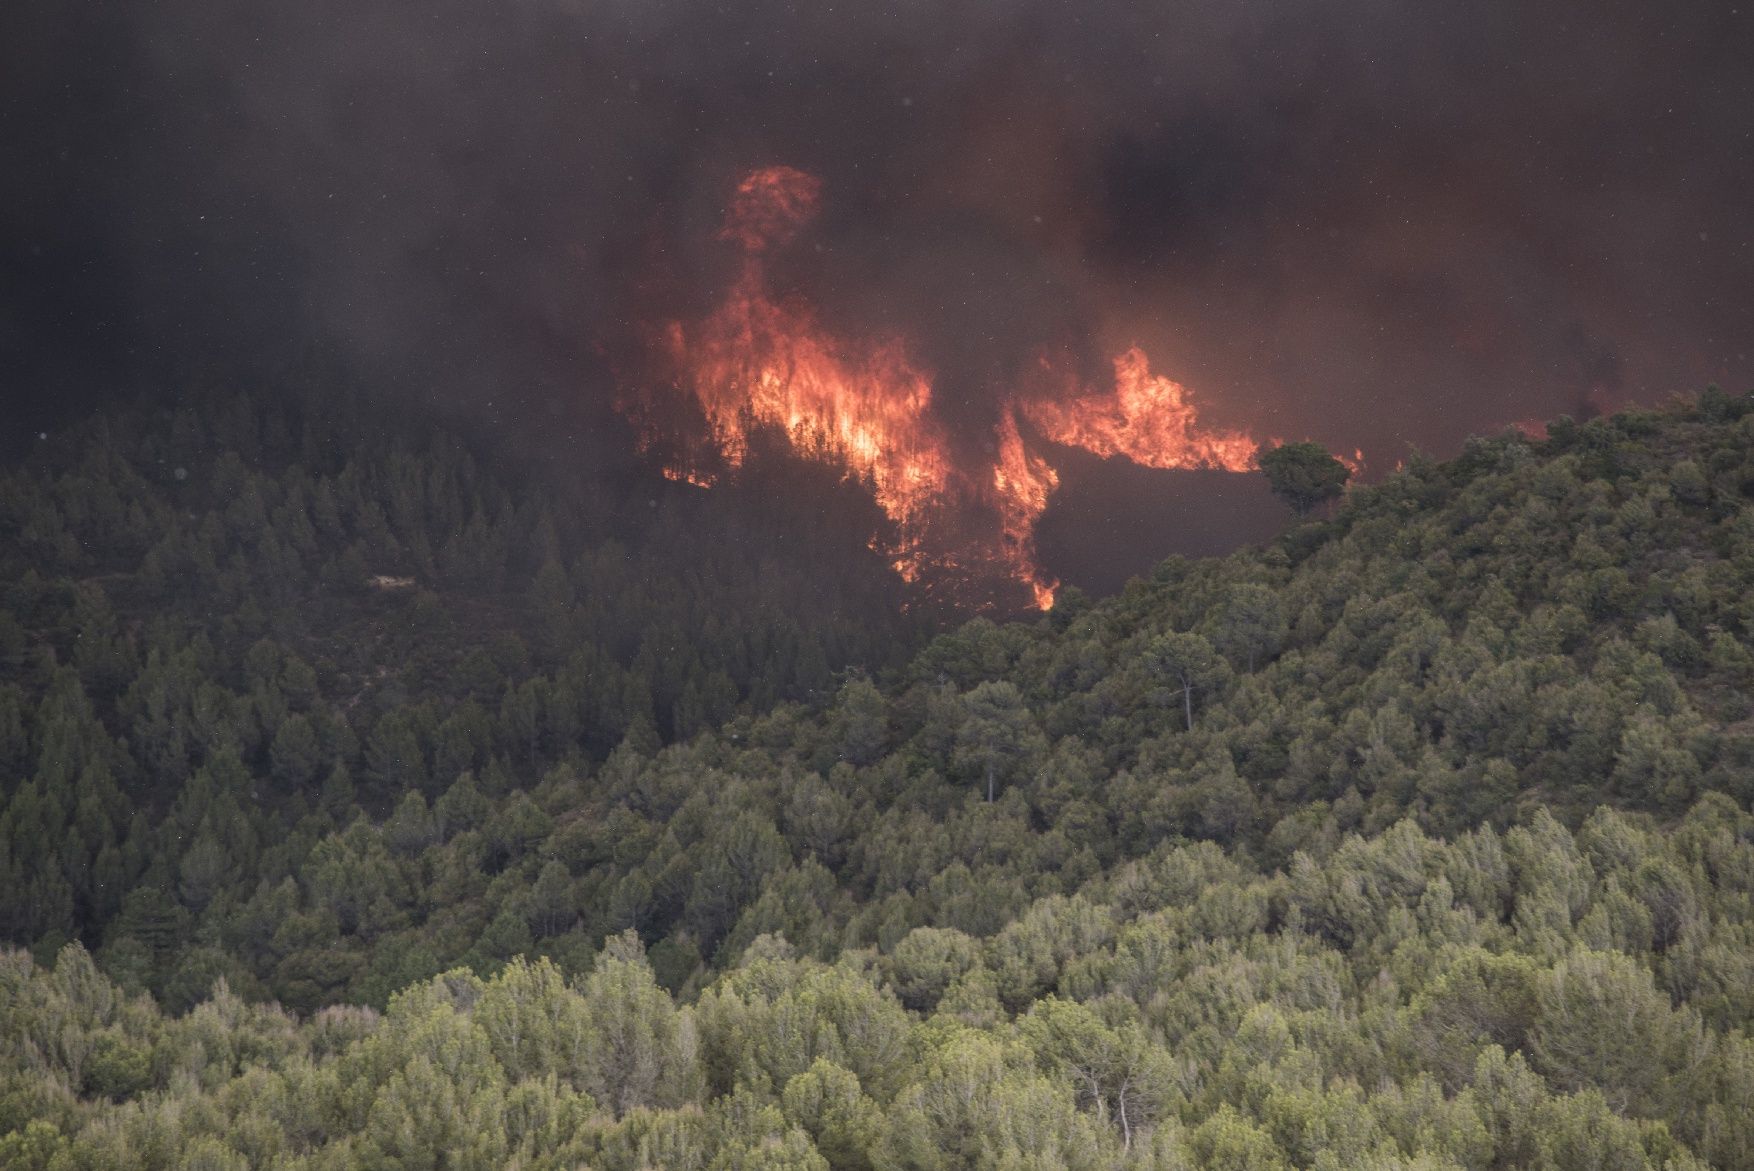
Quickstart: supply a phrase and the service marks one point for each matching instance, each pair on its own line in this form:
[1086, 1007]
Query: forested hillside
[228, 630]
[1418, 838]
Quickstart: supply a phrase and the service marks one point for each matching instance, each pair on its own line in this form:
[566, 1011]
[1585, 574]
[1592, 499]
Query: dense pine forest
[369, 802]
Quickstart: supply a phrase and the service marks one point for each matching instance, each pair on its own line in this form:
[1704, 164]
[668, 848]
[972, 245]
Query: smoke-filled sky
[1374, 224]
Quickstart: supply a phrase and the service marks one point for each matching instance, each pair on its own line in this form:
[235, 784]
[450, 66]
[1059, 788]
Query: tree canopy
[1418, 837]
[1303, 474]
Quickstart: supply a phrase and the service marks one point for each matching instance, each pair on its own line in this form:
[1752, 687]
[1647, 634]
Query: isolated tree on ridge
[1303, 475]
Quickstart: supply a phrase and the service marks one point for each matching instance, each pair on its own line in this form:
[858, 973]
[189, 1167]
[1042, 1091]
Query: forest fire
[1023, 481]
[865, 404]
[1145, 417]
[762, 361]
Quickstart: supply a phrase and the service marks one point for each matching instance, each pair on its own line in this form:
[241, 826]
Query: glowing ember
[680, 474]
[864, 404]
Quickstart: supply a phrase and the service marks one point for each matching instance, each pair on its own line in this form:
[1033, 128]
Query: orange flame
[865, 405]
[1146, 417]
[1023, 482]
[770, 206]
[766, 361]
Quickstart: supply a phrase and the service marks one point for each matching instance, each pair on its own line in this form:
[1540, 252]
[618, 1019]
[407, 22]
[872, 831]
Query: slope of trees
[223, 629]
[1533, 998]
[1419, 838]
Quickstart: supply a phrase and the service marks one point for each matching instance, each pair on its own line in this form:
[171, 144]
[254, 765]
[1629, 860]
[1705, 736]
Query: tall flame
[765, 360]
[1023, 481]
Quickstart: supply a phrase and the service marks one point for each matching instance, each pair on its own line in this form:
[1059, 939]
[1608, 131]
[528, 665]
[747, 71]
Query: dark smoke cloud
[1367, 222]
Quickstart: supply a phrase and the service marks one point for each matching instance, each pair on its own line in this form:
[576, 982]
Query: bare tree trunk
[1188, 701]
[989, 782]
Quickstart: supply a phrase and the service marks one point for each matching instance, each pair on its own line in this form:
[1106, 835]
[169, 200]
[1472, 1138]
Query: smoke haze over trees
[1370, 225]
[406, 762]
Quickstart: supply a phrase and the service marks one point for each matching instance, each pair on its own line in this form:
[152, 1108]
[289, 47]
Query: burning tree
[765, 358]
